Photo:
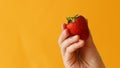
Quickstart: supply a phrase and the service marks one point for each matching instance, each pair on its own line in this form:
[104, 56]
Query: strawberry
[78, 25]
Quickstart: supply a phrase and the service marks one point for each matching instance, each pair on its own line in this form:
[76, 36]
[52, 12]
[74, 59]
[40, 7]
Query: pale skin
[77, 53]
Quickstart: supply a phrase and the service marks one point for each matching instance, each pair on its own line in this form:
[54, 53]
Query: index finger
[64, 34]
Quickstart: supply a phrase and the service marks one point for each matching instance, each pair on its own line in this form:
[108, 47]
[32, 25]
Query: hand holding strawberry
[78, 53]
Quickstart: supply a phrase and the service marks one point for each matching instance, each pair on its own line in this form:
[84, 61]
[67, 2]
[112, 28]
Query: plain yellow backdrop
[29, 30]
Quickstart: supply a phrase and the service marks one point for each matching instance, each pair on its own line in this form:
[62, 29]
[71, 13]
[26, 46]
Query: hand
[78, 53]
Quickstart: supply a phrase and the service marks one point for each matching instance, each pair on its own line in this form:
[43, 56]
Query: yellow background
[29, 30]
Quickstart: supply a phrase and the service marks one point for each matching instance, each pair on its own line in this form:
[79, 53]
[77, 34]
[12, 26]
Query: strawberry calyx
[72, 19]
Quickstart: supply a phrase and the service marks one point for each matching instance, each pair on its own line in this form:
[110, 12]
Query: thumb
[89, 42]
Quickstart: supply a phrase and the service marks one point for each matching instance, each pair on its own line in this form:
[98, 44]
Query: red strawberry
[78, 25]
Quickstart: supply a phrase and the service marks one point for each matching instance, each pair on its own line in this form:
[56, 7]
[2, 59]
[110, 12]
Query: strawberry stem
[77, 15]
[72, 19]
[68, 19]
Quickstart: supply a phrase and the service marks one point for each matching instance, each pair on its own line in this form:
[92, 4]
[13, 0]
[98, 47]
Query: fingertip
[77, 36]
[81, 43]
[63, 26]
[66, 31]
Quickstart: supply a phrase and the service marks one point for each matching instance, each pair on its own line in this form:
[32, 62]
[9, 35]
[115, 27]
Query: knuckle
[65, 43]
[59, 42]
[63, 46]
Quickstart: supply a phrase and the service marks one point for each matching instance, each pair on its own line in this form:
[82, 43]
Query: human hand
[78, 53]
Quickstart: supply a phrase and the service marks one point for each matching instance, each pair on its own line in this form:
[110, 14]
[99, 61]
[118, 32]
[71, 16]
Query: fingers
[69, 41]
[72, 48]
[69, 44]
[63, 36]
